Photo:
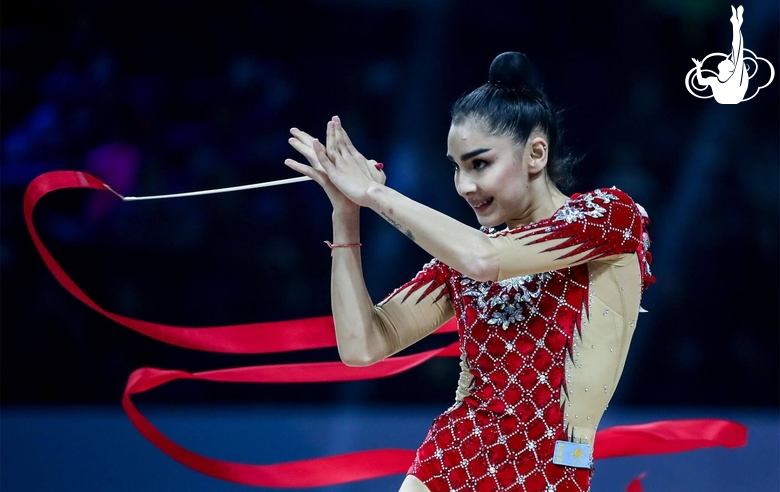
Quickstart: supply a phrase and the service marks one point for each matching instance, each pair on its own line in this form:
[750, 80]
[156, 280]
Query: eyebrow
[470, 154]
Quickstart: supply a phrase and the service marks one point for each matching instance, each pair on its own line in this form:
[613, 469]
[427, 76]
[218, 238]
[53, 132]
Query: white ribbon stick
[209, 192]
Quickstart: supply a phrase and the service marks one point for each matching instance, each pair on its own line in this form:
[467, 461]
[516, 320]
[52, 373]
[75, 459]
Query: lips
[482, 205]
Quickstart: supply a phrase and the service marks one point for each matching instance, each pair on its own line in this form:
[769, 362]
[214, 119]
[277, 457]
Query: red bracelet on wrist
[331, 246]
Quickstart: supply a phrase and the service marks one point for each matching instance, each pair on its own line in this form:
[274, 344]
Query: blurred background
[174, 96]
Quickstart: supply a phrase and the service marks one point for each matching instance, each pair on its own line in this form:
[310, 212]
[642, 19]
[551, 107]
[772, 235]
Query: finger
[345, 147]
[302, 136]
[339, 136]
[322, 156]
[345, 136]
[349, 151]
[330, 142]
[348, 146]
[307, 151]
[302, 147]
[302, 168]
[375, 171]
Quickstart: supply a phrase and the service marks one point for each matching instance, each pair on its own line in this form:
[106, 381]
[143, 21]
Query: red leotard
[531, 369]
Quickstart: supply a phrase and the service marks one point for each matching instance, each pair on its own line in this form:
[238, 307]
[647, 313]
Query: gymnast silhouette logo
[730, 84]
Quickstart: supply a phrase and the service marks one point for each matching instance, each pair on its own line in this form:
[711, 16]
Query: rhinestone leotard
[519, 349]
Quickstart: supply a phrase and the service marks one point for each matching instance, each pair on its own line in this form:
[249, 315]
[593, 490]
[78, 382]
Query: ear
[538, 152]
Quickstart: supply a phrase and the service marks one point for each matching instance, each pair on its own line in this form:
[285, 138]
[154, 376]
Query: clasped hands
[343, 172]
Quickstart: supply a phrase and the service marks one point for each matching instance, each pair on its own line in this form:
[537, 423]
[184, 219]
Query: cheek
[511, 184]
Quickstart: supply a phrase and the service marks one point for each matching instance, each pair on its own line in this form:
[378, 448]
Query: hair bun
[513, 69]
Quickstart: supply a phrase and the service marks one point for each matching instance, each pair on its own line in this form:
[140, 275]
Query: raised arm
[482, 257]
[592, 226]
[366, 333]
[462, 247]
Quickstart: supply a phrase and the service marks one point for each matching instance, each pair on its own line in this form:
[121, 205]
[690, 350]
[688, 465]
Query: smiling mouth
[482, 206]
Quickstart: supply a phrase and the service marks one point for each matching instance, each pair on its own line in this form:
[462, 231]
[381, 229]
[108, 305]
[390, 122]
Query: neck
[547, 198]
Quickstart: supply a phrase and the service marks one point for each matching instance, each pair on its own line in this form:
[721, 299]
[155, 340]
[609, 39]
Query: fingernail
[337, 119]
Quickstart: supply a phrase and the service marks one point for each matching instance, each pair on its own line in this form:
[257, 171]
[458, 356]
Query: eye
[478, 164]
[454, 167]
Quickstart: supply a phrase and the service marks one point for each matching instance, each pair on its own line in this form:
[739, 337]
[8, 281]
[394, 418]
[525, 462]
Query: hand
[304, 143]
[346, 168]
[697, 62]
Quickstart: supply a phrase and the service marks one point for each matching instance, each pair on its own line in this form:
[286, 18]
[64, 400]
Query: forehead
[470, 135]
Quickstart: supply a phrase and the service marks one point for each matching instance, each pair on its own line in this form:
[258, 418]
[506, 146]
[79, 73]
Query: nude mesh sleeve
[601, 346]
[417, 308]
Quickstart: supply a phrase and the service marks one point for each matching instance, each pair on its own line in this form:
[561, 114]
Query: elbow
[358, 358]
[359, 351]
[482, 264]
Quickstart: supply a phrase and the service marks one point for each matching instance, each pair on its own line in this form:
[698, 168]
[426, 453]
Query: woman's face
[491, 173]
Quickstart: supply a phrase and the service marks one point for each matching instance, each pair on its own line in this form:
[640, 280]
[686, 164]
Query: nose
[464, 184]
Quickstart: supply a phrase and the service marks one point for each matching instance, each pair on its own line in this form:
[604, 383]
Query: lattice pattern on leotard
[516, 335]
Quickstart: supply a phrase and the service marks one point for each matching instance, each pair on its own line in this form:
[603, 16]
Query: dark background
[165, 97]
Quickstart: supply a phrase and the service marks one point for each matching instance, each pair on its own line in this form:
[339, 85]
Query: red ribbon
[315, 472]
[652, 438]
[668, 437]
[253, 338]
[636, 484]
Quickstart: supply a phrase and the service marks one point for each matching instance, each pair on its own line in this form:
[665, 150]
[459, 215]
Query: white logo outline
[735, 68]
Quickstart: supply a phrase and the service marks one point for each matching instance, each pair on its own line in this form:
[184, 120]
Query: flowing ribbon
[636, 484]
[253, 338]
[652, 438]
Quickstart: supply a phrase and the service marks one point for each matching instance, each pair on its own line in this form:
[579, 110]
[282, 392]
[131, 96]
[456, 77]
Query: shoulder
[613, 204]
[600, 216]
[604, 196]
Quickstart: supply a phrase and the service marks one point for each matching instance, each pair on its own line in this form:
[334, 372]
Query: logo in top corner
[729, 84]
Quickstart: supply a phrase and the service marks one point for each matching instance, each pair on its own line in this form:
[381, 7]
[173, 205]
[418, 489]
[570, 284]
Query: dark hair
[513, 104]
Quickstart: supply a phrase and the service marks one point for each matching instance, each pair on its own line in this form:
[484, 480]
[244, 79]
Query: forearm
[462, 247]
[359, 340]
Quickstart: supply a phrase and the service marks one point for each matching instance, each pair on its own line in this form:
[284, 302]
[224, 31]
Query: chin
[488, 221]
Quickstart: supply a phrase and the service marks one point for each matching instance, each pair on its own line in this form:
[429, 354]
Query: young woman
[545, 307]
